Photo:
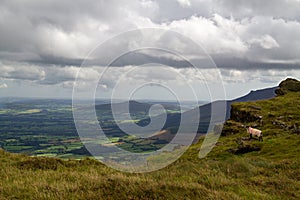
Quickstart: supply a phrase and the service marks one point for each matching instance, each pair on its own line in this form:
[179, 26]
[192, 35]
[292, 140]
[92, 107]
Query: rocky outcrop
[240, 116]
[247, 115]
[232, 127]
[294, 128]
[245, 146]
[288, 85]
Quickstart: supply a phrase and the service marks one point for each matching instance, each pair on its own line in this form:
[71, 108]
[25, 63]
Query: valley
[46, 127]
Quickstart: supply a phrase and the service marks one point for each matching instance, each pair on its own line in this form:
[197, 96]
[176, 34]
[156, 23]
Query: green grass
[272, 173]
[30, 111]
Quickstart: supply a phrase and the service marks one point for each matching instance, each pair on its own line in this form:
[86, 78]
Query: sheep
[256, 132]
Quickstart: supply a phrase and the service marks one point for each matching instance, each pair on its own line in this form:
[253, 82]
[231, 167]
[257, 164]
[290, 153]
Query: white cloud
[218, 35]
[265, 41]
[25, 72]
[3, 85]
[184, 3]
[54, 41]
[269, 75]
[48, 75]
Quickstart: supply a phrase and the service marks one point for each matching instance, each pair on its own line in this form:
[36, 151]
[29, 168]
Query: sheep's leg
[250, 136]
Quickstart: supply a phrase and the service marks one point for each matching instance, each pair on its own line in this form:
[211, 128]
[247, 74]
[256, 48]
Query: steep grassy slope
[271, 172]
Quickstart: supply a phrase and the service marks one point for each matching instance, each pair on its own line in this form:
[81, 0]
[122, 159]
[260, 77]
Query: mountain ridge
[205, 110]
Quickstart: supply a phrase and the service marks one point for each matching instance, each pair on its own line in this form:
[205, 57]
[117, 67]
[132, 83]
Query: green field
[46, 127]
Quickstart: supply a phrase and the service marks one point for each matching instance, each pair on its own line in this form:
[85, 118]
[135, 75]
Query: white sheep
[256, 132]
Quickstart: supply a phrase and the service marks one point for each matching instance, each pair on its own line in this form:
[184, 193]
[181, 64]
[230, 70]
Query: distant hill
[173, 120]
[262, 94]
[257, 95]
[134, 106]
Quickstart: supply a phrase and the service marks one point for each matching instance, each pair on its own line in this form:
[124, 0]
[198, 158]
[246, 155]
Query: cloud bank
[46, 41]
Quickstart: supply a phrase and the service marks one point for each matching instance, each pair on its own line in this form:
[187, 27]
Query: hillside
[265, 170]
[173, 119]
[134, 106]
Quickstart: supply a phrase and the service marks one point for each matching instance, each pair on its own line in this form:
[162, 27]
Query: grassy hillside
[264, 170]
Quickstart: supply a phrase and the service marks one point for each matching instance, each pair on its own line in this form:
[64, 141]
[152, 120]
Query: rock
[232, 127]
[244, 146]
[296, 128]
[247, 149]
[288, 85]
[255, 107]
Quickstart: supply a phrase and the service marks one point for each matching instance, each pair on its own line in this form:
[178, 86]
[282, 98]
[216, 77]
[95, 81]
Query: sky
[204, 49]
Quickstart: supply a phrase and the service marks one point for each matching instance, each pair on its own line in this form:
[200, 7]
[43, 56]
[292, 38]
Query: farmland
[46, 127]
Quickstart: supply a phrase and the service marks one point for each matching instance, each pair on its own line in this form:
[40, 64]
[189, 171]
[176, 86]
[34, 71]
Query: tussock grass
[221, 175]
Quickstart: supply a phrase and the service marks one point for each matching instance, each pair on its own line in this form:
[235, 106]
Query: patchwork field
[46, 128]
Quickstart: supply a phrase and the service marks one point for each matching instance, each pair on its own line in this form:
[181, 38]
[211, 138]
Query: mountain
[258, 95]
[173, 120]
[134, 106]
[139, 115]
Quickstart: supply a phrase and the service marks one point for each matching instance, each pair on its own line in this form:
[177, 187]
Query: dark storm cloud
[55, 60]
[244, 64]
